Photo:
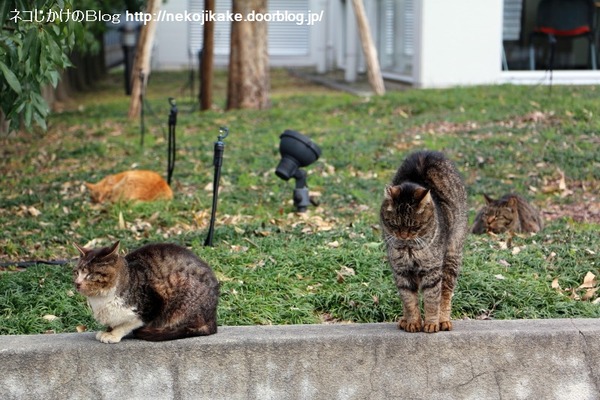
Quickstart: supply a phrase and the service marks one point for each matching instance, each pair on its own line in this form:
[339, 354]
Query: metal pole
[171, 147]
[142, 127]
[217, 162]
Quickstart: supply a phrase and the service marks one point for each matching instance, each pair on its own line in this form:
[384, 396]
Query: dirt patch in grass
[583, 203]
[573, 199]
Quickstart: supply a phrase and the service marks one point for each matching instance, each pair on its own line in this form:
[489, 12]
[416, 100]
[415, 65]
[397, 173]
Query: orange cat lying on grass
[130, 186]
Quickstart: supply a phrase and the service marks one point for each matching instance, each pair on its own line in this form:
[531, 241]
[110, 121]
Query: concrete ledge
[526, 359]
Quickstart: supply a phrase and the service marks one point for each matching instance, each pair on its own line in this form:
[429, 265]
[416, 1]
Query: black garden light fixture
[217, 163]
[297, 151]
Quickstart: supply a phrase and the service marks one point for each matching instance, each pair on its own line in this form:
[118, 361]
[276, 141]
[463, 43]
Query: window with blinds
[396, 35]
[285, 38]
[512, 19]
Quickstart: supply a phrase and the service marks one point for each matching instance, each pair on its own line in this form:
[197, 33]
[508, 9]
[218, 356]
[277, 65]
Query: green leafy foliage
[36, 39]
[33, 50]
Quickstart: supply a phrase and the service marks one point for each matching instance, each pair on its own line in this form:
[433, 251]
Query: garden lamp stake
[171, 147]
[142, 107]
[217, 162]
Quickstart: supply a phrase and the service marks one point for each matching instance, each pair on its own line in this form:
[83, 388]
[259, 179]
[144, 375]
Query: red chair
[563, 19]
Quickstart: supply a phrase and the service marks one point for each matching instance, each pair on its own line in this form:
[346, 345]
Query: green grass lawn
[278, 267]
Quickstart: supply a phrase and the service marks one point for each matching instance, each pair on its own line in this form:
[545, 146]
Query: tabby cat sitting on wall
[159, 292]
[510, 213]
[134, 185]
[424, 221]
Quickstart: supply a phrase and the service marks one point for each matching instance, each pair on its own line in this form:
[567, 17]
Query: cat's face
[97, 271]
[407, 213]
[500, 216]
[97, 192]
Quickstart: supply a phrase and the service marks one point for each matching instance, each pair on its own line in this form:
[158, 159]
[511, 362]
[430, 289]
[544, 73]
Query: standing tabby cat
[159, 291]
[510, 213]
[424, 222]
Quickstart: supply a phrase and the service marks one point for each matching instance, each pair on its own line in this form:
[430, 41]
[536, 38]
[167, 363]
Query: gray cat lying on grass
[510, 213]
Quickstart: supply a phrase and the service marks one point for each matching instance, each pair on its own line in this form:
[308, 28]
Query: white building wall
[457, 42]
[170, 41]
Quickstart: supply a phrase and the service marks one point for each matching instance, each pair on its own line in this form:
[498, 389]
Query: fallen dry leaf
[50, 317]
[589, 294]
[557, 185]
[573, 295]
[236, 248]
[31, 210]
[562, 185]
[589, 281]
[121, 220]
[222, 278]
[343, 272]
[92, 243]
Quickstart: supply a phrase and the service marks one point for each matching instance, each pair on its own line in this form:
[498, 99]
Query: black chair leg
[531, 54]
[593, 54]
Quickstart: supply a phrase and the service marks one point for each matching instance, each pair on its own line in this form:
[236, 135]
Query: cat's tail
[154, 334]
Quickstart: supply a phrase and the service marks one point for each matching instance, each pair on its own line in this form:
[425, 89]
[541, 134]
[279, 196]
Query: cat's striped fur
[159, 292]
[424, 222]
[510, 213]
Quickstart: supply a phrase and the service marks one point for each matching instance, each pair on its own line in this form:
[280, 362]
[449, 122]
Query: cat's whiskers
[396, 242]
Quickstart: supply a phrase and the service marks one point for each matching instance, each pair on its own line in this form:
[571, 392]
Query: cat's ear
[424, 198]
[488, 199]
[82, 250]
[512, 202]
[114, 250]
[391, 192]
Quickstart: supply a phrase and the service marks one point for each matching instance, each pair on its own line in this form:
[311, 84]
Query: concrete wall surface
[525, 359]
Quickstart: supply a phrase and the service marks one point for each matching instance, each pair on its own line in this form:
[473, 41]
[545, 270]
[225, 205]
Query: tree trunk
[373, 70]
[141, 63]
[248, 81]
[206, 69]
[77, 74]
[64, 87]
[4, 124]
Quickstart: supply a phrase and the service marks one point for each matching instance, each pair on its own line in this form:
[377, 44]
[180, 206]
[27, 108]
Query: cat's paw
[108, 337]
[411, 327]
[445, 326]
[431, 328]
